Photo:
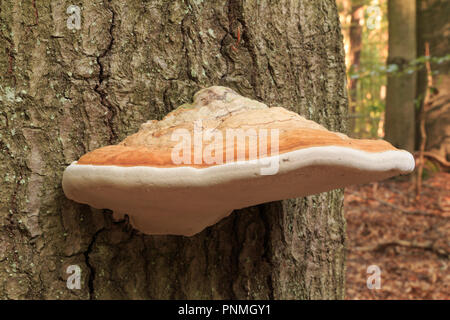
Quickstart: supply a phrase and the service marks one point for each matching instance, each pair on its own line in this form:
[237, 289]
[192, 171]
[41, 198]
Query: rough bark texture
[65, 92]
[401, 89]
[433, 27]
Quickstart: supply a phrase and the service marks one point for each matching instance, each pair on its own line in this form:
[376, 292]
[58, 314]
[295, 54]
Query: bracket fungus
[220, 153]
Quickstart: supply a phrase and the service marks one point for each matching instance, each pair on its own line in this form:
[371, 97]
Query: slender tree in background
[355, 36]
[434, 28]
[65, 91]
[401, 89]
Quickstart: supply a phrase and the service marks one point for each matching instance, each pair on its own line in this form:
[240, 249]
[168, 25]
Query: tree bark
[66, 92]
[401, 89]
[433, 27]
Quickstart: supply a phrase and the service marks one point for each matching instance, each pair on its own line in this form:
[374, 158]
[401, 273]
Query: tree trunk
[433, 28]
[65, 92]
[401, 89]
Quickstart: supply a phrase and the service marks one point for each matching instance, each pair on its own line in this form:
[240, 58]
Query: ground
[407, 239]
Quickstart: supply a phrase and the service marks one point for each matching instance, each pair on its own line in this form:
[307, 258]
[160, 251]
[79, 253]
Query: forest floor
[407, 239]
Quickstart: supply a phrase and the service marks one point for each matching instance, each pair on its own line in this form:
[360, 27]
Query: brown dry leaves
[409, 240]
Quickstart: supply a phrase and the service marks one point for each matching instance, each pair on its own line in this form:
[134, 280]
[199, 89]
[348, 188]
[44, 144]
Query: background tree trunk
[401, 89]
[434, 28]
[355, 35]
[65, 92]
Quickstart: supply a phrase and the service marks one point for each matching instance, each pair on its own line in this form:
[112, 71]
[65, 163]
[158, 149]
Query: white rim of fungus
[392, 160]
[185, 200]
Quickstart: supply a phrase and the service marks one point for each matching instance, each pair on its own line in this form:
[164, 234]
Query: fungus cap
[220, 153]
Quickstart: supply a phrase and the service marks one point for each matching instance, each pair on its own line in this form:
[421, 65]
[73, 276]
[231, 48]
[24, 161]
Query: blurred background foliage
[365, 29]
[398, 75]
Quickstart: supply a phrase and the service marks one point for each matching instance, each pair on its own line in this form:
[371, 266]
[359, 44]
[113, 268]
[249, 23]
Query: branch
[428, 245]
[409, 212]
[422, 116]
[436, 157]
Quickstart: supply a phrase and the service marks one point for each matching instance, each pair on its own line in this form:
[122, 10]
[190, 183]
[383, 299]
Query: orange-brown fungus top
[222, 109]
